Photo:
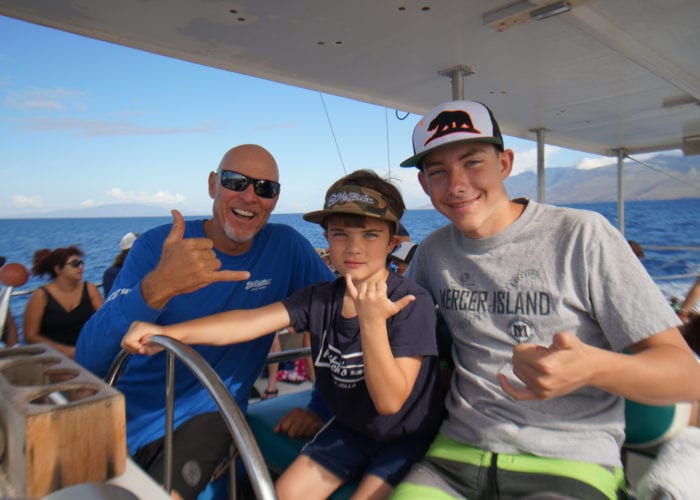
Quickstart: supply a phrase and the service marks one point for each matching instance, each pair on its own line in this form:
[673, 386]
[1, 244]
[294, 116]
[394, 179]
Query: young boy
[372, 340]
[541, 302]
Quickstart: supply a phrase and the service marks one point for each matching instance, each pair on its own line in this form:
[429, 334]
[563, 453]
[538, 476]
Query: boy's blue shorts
[350, 455]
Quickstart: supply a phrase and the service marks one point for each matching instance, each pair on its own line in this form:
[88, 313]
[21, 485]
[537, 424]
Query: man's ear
[505, 160]
[423, 182]
[212, 184]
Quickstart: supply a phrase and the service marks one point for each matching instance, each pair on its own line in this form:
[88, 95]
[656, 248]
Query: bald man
[234, 260]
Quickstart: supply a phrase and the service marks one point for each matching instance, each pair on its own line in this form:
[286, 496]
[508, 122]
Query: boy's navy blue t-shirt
[338, 361]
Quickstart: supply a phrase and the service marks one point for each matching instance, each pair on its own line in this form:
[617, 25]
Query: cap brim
[416, 160]
[319, 216]
[315, 217]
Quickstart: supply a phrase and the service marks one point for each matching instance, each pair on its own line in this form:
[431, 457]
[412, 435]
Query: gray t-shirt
[553, 270]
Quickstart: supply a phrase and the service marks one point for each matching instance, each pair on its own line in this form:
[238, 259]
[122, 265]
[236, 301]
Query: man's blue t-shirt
[280, 261]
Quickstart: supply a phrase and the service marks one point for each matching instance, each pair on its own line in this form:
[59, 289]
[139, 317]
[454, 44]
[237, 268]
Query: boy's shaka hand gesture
[371, 300]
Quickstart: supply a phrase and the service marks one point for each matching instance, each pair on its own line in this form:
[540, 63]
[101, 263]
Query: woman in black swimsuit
[58, 310]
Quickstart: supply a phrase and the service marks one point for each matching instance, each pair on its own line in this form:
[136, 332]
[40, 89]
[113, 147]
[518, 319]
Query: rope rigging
[657, 170]
[388, 150]
[335, 140]
[386, 128]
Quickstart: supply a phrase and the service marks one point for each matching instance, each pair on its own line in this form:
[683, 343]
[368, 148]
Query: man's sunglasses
[75, 263]
[239, 182]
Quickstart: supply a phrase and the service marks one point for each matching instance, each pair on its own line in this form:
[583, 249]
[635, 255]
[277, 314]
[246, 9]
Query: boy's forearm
[230, 327]
[386, 381]
[211, 330]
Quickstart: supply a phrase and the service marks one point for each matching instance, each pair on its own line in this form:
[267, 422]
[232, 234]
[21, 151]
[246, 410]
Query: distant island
[108, 210]
[672, 177]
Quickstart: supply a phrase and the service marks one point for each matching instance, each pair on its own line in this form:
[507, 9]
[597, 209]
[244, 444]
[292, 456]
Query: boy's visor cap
[353, 200]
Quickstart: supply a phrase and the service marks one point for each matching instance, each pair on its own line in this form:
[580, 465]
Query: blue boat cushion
[279, 450]
[649, 426]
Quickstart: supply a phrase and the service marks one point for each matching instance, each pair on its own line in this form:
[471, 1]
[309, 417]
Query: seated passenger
[689, 306]
[57, 311]
[112, 271]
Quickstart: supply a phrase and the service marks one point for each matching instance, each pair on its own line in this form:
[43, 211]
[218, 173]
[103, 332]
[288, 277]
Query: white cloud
[649, 156]
[117, 193]
[526, 160]
[104, 128]
[158, 198]
[407, 181]
[19, 201]
[90, 203]
[590, 163]
[56, 99]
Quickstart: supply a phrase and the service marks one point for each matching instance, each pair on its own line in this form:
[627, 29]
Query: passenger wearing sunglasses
[57, 311]
[235, 259]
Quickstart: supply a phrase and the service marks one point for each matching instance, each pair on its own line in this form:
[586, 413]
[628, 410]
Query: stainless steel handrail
[288, 355]
[235, 420]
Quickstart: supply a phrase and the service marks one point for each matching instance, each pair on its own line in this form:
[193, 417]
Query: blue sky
[86, 123]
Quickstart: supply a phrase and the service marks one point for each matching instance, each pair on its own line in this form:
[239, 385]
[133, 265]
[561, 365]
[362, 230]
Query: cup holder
[57, 375]
[16, 352]
[63, 396]
[27, 372]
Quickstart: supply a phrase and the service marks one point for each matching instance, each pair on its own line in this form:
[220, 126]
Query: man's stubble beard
[236, 235]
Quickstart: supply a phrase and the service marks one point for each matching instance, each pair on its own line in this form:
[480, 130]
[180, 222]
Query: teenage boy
[540, 302]
[372, 341]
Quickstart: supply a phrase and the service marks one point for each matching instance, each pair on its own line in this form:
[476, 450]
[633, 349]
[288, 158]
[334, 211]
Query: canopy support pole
[457, 74]
[621, 154]
[540, 162]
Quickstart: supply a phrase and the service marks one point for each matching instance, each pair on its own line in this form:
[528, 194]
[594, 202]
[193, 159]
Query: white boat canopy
[610, 77]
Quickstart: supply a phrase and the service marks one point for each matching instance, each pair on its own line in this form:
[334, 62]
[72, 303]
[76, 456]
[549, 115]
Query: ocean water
[669, 232]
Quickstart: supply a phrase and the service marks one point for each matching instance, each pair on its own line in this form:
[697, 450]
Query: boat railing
[21, 293]
[288, 355]
[245, 444]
